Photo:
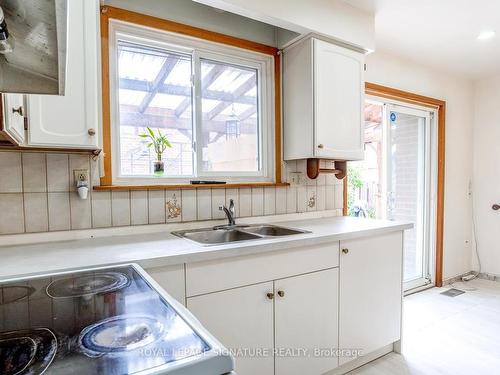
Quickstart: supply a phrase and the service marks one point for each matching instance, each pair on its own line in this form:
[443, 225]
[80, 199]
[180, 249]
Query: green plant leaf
[143, 135]
[151, 132]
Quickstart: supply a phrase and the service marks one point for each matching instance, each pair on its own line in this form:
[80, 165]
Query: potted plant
[160, 143]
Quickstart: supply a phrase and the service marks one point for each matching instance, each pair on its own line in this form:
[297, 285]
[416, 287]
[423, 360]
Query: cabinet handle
[91, 131]
[19, 110]
[345, 251]
[270, 295]
[321, 145]
[281, 293]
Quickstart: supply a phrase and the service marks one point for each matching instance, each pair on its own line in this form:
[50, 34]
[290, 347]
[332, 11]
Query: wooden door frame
[440, 106]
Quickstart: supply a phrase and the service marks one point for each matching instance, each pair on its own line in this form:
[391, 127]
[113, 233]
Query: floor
[447, 336]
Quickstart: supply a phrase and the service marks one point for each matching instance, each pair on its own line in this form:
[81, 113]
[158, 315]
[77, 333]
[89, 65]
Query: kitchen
[177, 186]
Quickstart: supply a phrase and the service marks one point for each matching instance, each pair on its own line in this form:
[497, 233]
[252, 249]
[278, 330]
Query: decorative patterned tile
[36, 212]
[173, 206]
[312, 197]
[11, 172]
[34, 172]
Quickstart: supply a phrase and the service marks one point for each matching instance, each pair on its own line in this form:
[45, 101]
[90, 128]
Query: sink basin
[217, 236]
[224, 235]
[272, 230]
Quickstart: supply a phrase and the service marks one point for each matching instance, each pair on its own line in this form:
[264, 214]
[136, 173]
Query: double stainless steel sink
[228, 234]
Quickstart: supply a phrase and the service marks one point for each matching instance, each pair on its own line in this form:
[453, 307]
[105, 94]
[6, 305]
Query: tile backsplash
[37, 194]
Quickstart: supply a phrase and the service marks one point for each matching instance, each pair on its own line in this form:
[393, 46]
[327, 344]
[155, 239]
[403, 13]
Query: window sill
[189, 186]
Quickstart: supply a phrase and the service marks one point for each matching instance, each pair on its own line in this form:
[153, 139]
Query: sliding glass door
[407, 184]
[397, 178]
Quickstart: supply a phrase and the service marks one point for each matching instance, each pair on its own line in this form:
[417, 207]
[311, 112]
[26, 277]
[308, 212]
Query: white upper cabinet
[323, 99]
[13, 117]
[73, 120]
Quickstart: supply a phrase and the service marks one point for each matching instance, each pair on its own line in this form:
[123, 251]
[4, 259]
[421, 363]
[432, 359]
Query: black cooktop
[108, 321]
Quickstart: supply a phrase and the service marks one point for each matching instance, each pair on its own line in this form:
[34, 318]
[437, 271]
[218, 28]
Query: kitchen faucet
[230, 213]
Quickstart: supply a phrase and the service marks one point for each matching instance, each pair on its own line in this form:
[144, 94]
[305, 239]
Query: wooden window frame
[107, 13]
[440, 106]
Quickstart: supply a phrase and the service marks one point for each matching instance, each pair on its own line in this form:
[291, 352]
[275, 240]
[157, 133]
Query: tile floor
[447, 336]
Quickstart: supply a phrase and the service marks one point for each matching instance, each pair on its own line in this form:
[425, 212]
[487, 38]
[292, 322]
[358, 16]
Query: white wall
[391, 71]
[199, 15]
[486, 177]
[332, 18]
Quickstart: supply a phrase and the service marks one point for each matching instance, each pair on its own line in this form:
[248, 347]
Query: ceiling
[441, 34]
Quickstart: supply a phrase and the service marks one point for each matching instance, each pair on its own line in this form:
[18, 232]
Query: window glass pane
[154, 91]
[230, 121]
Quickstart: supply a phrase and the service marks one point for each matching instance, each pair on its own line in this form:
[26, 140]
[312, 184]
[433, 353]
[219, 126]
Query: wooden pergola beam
[249, 112]
[162, 75]
[144, 86]
[238, 93]
[211, 76]
[167, 119]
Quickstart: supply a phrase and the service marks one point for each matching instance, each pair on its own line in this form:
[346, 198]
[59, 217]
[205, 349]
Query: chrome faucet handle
[230, 212]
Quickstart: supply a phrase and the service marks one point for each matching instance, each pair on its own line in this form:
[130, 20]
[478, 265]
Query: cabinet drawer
[211, 276]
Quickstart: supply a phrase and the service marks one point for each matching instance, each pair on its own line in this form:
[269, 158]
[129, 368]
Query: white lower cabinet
[306, 320]
[291, 318]
[170, 278]
[284, 315]
[242, 320]
[370, 292]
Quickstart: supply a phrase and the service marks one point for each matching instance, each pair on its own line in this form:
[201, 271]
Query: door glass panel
[406, 185]
[393, 180]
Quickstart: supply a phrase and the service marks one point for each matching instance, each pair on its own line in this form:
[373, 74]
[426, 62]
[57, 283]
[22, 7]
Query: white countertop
[161, 249]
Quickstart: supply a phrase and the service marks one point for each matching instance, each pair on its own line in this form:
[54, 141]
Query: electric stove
[113, 320]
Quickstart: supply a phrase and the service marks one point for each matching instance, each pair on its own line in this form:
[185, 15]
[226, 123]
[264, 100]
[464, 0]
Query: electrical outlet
[81, 175]
[296, 178]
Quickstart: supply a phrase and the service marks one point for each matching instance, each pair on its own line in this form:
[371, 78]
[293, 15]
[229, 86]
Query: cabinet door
[13, 117]
[307, 319]
[172, 279]
[242, 320]
[370, 292]
[338, 102]
[72, 119]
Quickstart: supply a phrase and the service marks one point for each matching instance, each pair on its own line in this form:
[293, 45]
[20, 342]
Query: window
[214, 103]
